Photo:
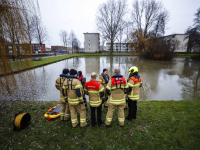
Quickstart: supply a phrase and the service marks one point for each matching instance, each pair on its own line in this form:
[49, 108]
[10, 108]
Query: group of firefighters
[73, 87]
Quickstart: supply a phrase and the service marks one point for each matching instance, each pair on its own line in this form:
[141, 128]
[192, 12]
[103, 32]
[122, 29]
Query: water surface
[162, 80]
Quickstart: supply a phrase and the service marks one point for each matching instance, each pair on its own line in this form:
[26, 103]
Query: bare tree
[29, 27]
[119, 38]
[72, 36]
[63, 37]
[76, 44]
[149, 20]
[193, 33]
[127, 30]
[41, 34]
[110, 16]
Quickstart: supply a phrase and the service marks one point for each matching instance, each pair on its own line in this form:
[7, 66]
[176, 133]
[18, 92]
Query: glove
[81, 102]
[126, 99]
[103, 100]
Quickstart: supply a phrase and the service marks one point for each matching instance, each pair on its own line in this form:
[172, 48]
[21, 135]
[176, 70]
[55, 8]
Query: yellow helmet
[133, 69]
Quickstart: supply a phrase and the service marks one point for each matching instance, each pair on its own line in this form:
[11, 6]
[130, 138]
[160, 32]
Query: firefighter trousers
[85, 101]
[111, 109]
[93, 116]
[132, 105]
[73, 112]
[105, 104]
[64, 113]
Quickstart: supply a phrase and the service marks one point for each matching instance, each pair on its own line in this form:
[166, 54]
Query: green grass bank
[26, 65]
[159, 125]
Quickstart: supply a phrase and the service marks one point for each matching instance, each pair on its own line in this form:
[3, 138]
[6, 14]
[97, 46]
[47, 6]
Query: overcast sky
[79, 15]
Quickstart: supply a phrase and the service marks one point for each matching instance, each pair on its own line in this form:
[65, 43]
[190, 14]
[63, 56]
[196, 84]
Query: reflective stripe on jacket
[117, 86]
[59, 85]
[70, 85]
[135, 84]
[102, 80]
[93, 88]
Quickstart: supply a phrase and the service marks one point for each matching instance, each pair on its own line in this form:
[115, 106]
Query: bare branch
[109, 19]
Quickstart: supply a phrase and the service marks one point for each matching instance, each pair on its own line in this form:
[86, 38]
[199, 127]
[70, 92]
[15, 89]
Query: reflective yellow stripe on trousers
[74, 120]
[82, 120]
[109, 119]
[121, 119]
[66, 115]
[62, 113]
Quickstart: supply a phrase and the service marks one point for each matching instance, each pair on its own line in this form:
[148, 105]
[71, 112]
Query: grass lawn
[178, 54]
[159, 125]
[57, 58]
[29, 64]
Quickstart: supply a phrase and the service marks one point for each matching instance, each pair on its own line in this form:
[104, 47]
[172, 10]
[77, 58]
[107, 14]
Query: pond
[162, 80]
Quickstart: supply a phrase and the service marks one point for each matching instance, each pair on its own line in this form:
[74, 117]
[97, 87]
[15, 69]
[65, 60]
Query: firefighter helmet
[133, 69]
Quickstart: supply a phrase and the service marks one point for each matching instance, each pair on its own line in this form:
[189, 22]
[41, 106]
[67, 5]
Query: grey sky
[79, 15]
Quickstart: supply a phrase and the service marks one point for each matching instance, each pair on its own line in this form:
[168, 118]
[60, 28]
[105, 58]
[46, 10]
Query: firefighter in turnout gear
[95, 90]
[134, 83]
[104, 78]
[74, 90]
[64, 114]
[82, 79]
[116, 88]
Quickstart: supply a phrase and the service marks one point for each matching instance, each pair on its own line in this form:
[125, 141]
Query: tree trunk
[111, 47]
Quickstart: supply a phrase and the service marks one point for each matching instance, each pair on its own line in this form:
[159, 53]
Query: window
[89, 48]
[89, 44]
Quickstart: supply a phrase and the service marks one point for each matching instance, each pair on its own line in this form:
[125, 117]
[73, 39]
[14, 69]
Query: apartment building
[119, 47]
[182, 47]
[91, 42]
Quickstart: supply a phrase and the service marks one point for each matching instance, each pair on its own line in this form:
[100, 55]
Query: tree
[76, 44]
[13, 35]
[149, 20]
[29, 27]
[63, 37]
[72, 36]
[193, 33]
[109, 18]
[120, 34]
[41, 34]
[127, 26]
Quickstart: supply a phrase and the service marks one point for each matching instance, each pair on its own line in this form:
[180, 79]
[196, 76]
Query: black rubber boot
[93, 125]
[100, 123]
[128, 118]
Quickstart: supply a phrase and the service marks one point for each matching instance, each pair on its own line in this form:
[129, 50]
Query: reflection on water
[162, 80]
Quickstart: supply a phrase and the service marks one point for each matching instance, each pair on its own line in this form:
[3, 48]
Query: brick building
[57, 48]
[37, 48]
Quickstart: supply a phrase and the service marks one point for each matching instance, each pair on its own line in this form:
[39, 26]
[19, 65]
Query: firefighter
[95, 90]
[116, 88]
[75, 99]
[82, 79]
[104, 78]
[134, 83]
[64, 114]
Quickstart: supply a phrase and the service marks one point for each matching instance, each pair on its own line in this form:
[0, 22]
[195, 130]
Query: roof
[117, 43]
[173, 34]
[91, 33]
[37, 43]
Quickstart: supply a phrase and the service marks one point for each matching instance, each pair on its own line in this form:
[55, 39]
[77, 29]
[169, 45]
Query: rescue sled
[53, 112]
